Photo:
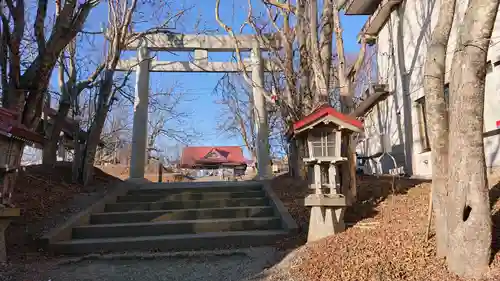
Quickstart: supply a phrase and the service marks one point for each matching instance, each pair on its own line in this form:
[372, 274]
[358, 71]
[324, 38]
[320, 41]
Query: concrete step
[172, 188]
[182, 214]
[184, 242]
[189, 196]
[188, 204]
[174, 227]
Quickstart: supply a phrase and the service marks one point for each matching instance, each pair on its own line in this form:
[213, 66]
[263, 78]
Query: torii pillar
[140, 125]
[260, 121]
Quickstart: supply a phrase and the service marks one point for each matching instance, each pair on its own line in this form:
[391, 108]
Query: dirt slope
[386, 242]
[43, 192]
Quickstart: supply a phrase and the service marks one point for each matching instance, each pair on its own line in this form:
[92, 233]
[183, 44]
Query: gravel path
[237, 265]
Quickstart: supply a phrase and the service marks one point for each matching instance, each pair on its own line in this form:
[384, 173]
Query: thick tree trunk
[289, 71]
[93, 138]
[347, 105]
[469, 217]
[325, 40]
[304, 69]
[345, 93]
[54, 135]
[87, 166]
[297, 153]
[77, 153]
[437, 118]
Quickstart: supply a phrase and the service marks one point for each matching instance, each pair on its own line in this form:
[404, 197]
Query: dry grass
[392, 249]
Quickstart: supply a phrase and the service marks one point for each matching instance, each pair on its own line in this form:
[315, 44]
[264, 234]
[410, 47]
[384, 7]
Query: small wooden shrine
[324, 133]
[13, 136]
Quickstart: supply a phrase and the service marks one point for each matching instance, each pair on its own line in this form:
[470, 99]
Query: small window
[323, 144]
[422, 126]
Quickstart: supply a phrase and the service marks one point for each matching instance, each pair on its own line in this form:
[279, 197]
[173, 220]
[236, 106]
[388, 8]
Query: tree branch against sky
[237, 115]
[309, 86]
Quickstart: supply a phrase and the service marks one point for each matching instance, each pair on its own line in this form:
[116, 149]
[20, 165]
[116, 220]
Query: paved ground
[237, 265]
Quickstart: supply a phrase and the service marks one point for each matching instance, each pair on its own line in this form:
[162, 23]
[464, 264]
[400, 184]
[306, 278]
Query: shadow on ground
[372, 190]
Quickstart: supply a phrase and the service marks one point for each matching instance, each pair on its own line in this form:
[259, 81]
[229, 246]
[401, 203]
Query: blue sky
[198, 87]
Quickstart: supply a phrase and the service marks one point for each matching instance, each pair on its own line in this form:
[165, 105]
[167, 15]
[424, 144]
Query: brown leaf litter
[40, 192]
[389, 246]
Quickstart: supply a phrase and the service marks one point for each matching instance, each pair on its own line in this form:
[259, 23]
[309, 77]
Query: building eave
[361, 7]
[378, 19]
[380, 93]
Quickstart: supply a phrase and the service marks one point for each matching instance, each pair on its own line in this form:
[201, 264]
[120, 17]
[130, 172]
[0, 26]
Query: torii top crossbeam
[212, 43]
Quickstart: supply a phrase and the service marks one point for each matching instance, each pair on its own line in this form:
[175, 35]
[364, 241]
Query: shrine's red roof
[322, 112]
[225, 155]
[10, 127]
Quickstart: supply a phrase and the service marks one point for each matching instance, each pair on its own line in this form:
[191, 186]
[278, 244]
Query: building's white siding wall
[402, 44]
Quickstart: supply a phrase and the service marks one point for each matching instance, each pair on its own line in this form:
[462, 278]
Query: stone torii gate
[200, 45]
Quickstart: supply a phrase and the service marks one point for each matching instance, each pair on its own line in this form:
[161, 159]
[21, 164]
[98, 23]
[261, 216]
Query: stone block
[330, 200]
[327, 215]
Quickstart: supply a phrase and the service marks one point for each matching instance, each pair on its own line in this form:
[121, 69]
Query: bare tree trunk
[437, 118]
[468, 209]
[93, 138]
[51, 143]
[289, 69]
[302, 34]
[77, 154]
[345, 93]
[347, 104]
[325, 41]
[313, 48]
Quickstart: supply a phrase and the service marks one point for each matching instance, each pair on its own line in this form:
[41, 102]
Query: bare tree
[167, 120]
[468, 209]
[237, 118]
[311, 85]
[71, 89]
[460, 189]
[115, 134]
[437, 117]
[119, 35]
[25, 75]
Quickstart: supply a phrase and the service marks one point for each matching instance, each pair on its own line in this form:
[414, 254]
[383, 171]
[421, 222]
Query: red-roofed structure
[10, 127]
[326, 112]
[212, 156]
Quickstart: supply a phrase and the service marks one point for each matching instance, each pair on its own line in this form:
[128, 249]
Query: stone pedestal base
[327, 215]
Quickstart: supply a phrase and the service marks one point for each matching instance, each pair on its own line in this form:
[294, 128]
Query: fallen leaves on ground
[42, 190]
[387, 242]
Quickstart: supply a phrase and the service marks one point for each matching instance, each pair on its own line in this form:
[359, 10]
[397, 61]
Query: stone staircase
[179, 217]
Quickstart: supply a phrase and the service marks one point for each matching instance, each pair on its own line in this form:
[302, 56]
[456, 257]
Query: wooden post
[317, 178]
[332, 174]
[160, 172]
